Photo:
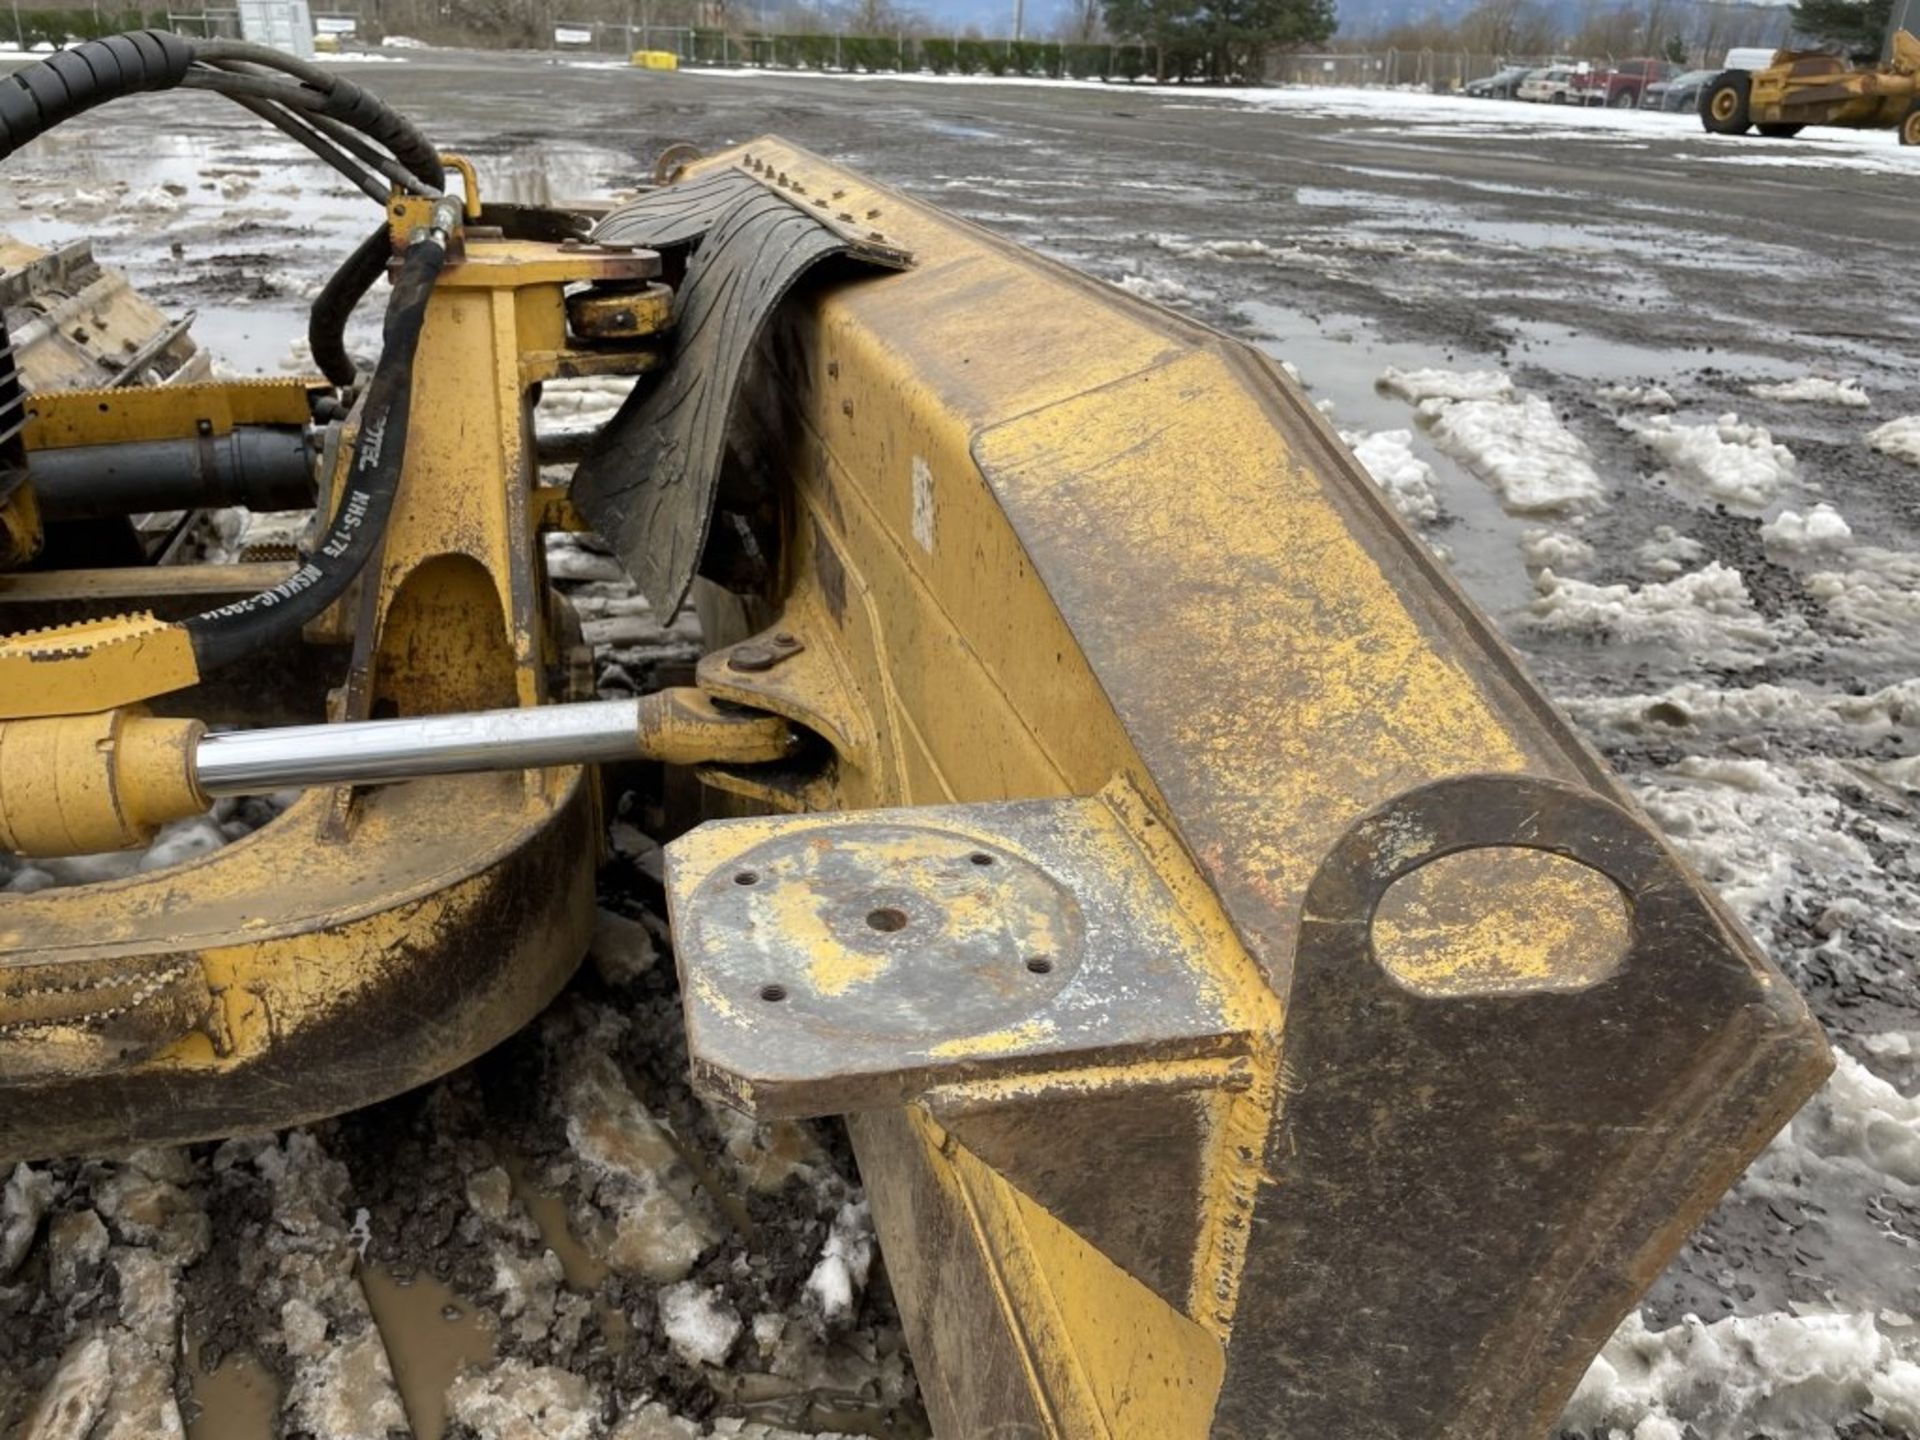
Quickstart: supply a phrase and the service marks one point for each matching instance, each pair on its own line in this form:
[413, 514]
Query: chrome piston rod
[679, 726]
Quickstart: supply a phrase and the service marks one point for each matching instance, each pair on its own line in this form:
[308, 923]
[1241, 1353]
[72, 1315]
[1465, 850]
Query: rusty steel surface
[837, 964]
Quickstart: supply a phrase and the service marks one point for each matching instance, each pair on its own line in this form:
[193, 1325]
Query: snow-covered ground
[1869, 150]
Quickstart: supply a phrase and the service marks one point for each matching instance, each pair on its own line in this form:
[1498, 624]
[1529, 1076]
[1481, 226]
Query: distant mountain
[1363, 17]
[992, 18]
[1722, 21]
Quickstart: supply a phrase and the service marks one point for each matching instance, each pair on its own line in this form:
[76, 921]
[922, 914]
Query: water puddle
[1565, 350]
[584, 1271]
[237, 1400]
[431, 1334]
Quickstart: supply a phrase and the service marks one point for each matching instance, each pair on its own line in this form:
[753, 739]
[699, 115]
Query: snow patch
[699, 1324]
[1821, 528]
[518, 1401]
[1509, 437]
[23, 1204]
[1790, 1377]
[154, 200]
[1414, 386]
[1230, 248]
[1555, 550]
[845, 1260]
[1863, 1120]
[1707, 611]
[1406, 480]
[1771, 709]
[1518, 446]
[1669, 552]
[1898, 438]
[1647, 397]
[1877, 600]
[1763, 833]
[1161, 290]
[1816, 390]
[1737, 464]
[585, 401]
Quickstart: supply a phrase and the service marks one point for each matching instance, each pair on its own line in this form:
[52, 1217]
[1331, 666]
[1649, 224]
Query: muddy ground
[569, 1224]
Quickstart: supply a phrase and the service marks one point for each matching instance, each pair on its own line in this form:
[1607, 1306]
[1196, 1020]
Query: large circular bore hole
[747, 877]
[1039, 964]
[773, 994]
[887, 919]
[980, 857]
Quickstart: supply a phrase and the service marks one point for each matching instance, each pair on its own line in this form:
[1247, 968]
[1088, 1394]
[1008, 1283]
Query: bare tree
[1507, 27]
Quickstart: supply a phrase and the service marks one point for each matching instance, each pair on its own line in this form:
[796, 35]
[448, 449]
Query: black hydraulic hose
[316, 108]
[41, 95]
[339, 99]
[373, 478]
[37, 97]
[301, 99]
[327, 321]
[293, 125]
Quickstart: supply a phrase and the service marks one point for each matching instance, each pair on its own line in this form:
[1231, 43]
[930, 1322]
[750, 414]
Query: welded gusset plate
[834, 963]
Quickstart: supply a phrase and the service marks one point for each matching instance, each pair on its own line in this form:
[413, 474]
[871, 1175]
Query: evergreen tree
[1855, 26]
[1218, 39]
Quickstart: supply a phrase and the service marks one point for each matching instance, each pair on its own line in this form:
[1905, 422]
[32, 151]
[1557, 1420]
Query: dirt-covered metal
[1043, 543]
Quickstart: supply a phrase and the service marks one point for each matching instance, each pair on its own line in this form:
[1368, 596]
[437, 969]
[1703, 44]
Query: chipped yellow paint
[1501, 919]
[1236, 730]
[995, 1042]
[93, 665]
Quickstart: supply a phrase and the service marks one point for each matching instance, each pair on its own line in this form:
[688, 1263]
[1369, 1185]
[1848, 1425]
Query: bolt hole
[887, 919]
[773, 994]
[980, 857]
[747, 877]
[1039, 964]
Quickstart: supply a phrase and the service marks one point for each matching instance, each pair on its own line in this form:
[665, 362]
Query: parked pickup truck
[1621, 85]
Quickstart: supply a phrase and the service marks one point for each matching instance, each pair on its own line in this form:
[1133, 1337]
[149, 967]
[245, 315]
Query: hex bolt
[751, 658]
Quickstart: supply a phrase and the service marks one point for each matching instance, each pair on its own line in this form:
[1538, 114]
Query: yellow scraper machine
[1255, 1011]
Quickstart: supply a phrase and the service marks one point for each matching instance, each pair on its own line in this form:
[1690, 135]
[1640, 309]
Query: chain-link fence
[1405, 69]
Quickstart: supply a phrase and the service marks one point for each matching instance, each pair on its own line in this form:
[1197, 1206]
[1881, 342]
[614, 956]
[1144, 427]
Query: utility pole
[1019, 18]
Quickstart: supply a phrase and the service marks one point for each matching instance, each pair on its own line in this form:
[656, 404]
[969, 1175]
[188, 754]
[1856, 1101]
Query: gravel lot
[1645, 390]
